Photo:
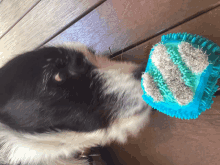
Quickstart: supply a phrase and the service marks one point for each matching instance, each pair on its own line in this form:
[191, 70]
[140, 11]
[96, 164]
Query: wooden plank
[119, 24]
[12, 11]
[41, 23]
[169, 140]
[206, 25]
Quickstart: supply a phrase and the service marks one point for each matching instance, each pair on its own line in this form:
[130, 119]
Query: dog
[57, 101]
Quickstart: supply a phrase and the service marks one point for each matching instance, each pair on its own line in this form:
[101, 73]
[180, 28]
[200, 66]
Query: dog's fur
[57, 101]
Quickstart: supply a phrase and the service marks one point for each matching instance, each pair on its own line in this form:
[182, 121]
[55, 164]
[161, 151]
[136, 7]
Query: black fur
[139, 71]
[31, 100]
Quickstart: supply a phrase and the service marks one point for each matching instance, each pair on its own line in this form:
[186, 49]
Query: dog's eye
[79, 61]
[57, 77]
[60, 76]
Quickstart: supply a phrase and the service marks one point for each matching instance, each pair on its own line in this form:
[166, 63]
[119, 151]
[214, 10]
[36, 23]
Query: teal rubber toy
[181, 75]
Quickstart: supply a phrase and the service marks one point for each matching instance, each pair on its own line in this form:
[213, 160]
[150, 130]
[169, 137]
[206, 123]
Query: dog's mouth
[121, 93]
[142, 110]
[137, 73]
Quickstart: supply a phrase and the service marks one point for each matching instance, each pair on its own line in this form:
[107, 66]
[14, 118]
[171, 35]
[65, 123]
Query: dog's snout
[137, 73]
[78, 65]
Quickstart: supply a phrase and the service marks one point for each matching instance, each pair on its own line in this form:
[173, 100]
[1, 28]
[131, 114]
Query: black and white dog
[58, 101]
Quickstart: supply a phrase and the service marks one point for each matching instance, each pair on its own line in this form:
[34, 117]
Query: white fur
[126, 88]
[47, 148]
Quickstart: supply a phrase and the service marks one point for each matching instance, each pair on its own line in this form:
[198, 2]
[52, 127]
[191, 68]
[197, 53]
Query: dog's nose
[137, 73]
[78, 64]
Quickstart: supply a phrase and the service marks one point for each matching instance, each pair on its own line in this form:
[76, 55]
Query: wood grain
[173, 141]
[11, 11]
[42, 22]
[206, 25]
[119, 24]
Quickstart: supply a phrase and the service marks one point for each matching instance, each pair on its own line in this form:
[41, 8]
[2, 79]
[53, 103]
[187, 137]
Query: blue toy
[181, 75]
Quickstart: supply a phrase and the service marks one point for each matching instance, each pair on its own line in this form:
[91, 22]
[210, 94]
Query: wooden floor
[125, 30]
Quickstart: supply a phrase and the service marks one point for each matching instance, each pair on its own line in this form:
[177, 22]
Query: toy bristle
[182, 73]
[201, 42]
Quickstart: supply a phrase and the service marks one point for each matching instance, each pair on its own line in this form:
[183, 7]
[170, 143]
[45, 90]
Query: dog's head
[58, 100]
